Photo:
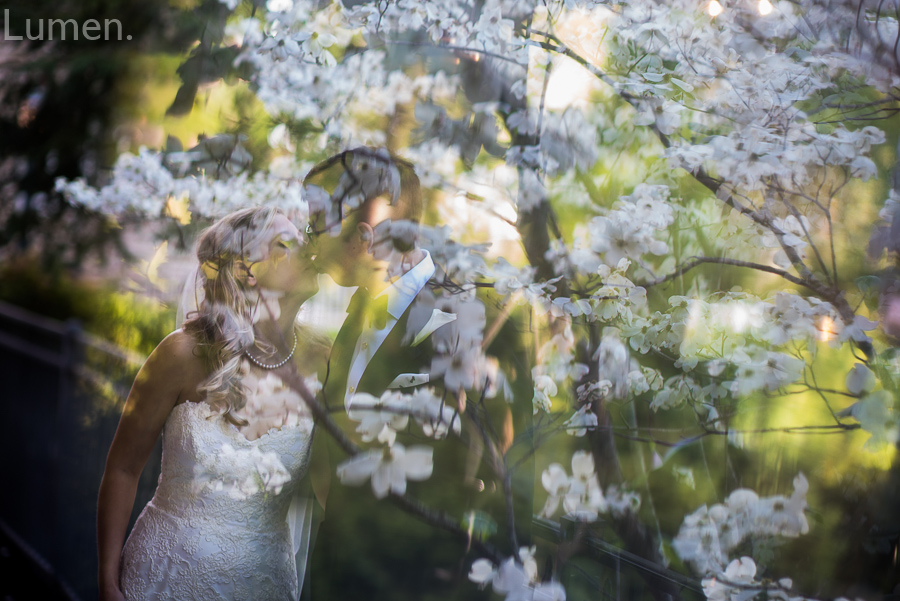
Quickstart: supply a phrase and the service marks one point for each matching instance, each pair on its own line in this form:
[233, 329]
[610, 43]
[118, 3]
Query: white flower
[622, 502]
[781, 369]
[709, 534]
[438, 319]
[379, 417]
[482, 572]
[856, 330]
[739, 572]
[738, 583]
[581, 421]
[584, 500]
[863, 167]
[435, 417]
[249, 471]
[860, 379]
[271, 471]
[511, 580]
[544, 388]
[508, 279]
[765, 369]
[613, 363]
[279, 6]
[389, 470]
[532, 190]
[282, 48]
[665, 114]
[462, 334]
[461, 368]
[529, 564]
[556, 482]
[492, 30]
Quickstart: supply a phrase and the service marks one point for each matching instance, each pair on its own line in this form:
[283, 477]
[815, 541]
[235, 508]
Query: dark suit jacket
[366, 548]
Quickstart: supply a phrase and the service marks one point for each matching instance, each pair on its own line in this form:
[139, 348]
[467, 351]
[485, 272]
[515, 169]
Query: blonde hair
[223, 322]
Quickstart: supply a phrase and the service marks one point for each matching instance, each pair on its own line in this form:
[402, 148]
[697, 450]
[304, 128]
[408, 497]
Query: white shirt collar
[404, 289]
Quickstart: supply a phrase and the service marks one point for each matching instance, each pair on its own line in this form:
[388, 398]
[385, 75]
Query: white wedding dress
[218, 527]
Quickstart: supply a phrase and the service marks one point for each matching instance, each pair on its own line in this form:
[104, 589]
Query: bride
[223, 523]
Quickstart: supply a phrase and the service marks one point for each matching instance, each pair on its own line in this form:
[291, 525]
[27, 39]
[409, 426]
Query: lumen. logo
[65, 29]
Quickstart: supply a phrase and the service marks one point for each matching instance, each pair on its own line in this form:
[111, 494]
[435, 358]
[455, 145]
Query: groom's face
[347, 257]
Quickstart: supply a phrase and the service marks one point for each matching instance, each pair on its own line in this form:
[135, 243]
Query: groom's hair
[408, 203]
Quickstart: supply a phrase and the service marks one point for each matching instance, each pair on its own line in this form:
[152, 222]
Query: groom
[365, 208]
[365, 235]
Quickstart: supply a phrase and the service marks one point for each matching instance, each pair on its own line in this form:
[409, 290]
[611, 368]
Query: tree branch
[807, 278]
[725, 261]
[406, 502]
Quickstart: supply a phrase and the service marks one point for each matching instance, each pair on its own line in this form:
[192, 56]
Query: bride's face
[285, 264]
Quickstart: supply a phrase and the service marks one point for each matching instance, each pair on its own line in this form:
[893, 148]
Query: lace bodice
[217, 527]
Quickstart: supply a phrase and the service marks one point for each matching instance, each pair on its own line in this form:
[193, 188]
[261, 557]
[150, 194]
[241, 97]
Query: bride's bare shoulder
[179, 343]
[178, 351]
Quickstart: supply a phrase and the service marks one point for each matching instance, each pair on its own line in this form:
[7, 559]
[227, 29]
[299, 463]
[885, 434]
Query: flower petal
[357, 470]
[381, 479]
[418, 463]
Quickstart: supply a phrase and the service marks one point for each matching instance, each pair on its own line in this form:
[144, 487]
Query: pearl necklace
[277, 365]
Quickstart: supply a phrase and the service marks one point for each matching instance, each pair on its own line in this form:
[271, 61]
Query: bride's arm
[155, 392]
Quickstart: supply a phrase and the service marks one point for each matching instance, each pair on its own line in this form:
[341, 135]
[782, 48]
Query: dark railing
[597, 569]
[62, 394]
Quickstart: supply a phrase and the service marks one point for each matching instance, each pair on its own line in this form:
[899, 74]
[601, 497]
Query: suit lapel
[387, 355]
[341, 356]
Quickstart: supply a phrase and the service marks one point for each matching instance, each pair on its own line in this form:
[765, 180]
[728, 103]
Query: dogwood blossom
[250, 471]
[392, 414]
[389, 469]
[582, 421]
[738, 583]
[516, 581]
[580, 493]
[708, 535]
[142, 186]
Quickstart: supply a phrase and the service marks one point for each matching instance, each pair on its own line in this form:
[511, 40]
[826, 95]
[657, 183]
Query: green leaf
[682, 84]
[204, 66]
[184, 100]
[870, 287]
[480, 524]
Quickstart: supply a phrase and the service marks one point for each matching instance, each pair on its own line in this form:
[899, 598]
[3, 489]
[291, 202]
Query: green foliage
[70, 106]
[123, 318]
